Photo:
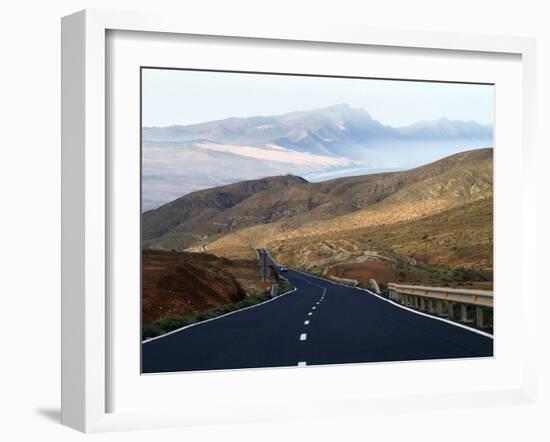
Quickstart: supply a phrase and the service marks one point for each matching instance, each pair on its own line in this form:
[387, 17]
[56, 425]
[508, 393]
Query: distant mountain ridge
[337, 130]
[317, 144]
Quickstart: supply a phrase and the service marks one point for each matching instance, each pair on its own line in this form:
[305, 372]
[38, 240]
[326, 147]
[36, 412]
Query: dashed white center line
[306, 323]
[310, 313]
[303, 336]
[302, 364]
[319, 303]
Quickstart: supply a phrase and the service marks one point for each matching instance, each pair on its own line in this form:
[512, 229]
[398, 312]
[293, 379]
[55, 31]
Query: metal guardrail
[374, 286]
[468, 296]
[351, 282]
[443, 301]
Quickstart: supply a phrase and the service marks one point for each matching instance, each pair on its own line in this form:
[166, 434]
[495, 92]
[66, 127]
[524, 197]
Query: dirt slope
[181, 283]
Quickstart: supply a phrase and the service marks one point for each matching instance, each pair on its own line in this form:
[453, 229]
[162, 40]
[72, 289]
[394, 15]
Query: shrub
[150, 331]
[169, 323]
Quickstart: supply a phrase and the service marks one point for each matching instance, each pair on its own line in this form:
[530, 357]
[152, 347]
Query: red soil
[185, 283]
[364, 271]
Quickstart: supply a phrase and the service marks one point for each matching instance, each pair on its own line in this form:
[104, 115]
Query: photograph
[293, 220]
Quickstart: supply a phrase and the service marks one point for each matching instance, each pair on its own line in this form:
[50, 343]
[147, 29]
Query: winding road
[321, 322]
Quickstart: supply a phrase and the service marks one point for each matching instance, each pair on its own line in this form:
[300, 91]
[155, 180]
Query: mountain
[170, 170]
[319, 131]
[439, 213]
[445, 129]
[338, 130]
[187, 220]
[315, 144]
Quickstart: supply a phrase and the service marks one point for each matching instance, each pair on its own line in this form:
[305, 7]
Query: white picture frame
[86, 211]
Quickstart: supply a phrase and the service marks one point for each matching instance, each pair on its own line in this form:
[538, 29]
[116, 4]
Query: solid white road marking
[303, 336]
[306, 323]
[448, 321]
[302, 364]
[218, 317]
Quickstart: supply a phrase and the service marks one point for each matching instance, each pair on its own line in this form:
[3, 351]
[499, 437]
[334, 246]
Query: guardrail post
[479, 316]
[448, 302]
[374, 285]
[463, 313]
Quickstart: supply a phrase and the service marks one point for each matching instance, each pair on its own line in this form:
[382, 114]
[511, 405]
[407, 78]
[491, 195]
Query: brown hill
[239, 215]
[461, 236]
[186, 220]
[432, 224]
[184, 283]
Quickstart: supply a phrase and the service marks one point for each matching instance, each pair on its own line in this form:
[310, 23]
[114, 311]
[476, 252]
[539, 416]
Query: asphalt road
[319, 323]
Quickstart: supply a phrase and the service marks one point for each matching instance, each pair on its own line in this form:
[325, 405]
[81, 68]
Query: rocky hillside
[202, 216]
[439, 215]
[176, 284]
[194, 218]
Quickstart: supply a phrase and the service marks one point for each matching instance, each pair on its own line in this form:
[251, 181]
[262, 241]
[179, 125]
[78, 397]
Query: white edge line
[448, 321]
[217, 317]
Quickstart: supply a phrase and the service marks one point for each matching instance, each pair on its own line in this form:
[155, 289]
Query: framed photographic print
[248, 213]
[314, 212]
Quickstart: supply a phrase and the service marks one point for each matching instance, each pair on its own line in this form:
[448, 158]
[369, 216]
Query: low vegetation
[443, 276]
[167, 324]
[284, 286]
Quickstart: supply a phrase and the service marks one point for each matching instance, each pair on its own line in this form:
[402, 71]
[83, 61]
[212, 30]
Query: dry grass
[423, 223]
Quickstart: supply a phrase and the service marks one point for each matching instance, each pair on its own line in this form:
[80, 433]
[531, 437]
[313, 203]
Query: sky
[177, 97]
